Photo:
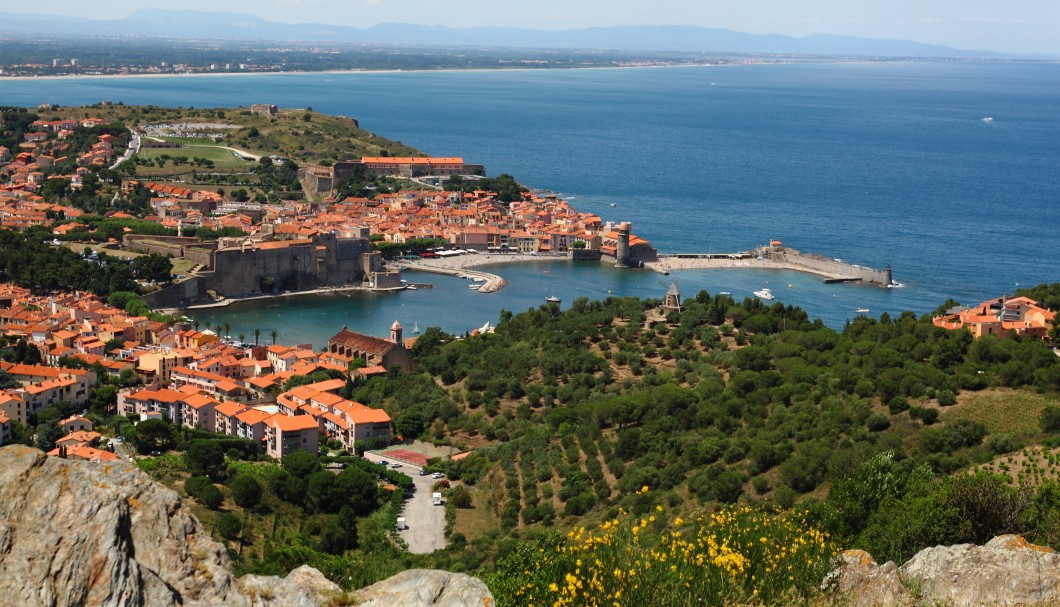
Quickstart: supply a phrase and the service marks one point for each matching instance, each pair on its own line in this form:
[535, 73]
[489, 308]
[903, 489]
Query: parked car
[424, 472]
[395, 465]
[437, 475]
[384, 462]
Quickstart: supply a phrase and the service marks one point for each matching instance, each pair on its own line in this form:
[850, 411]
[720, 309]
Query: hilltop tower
[622, 247]
[395, 333]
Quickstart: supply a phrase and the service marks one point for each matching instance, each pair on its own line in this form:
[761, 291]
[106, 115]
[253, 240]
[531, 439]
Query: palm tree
[207, 323]
[257, 334]
[273, 335]
[196, 323]
[227, 329]
[241, 337]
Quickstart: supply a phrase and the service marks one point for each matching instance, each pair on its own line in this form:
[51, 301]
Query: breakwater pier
[775, 257]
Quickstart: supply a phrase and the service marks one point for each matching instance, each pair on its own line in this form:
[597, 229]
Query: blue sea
[950, 173]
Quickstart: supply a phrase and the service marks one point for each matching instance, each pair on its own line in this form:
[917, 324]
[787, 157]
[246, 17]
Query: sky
[1015, 26]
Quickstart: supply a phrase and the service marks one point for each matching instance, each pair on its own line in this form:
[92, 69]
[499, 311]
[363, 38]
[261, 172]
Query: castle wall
[326, 262]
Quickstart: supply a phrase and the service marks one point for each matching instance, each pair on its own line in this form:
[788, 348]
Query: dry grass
[479, 519]
[1001, 410]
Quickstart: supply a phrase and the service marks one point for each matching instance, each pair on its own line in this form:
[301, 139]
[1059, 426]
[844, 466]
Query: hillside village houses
[539, 224]
[191, 378]
[1000, 317]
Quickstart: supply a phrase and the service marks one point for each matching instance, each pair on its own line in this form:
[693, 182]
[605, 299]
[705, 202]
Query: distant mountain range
[673, 38]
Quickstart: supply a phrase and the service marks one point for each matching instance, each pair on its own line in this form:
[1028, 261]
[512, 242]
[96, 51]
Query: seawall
[774, 258]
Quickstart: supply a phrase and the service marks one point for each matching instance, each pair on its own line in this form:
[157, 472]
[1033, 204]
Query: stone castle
[243, 267]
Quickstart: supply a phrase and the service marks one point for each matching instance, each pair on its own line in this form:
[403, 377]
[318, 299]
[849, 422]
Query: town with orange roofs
[85, 349]
[65, 346]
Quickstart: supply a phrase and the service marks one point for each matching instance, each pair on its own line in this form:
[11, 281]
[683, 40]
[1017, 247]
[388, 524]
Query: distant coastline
[4, 78]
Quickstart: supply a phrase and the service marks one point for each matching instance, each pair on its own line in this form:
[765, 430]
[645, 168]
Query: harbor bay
[877, 164]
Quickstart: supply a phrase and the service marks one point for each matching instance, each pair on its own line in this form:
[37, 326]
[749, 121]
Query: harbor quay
[775, 257]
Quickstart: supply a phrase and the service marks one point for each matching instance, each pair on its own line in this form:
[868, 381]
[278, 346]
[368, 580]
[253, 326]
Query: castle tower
[395, 333]
[622, 248]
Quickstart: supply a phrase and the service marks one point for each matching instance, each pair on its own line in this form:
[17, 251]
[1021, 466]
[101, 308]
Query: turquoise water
[873, 163]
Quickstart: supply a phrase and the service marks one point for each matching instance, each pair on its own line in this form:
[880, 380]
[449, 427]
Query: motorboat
[764, 293]
[862, 310]
[553, 299]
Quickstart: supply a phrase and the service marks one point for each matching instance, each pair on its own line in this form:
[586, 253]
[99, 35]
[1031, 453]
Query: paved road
[134, 147]
[426, 522]
[119, 450]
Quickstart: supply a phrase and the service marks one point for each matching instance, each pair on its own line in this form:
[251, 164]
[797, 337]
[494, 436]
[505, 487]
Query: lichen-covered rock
[1007, 571]
[78, 533]
[859, 581]
[84, 534]
[425, 588]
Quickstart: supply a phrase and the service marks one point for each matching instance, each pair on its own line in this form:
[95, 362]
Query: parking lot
[426, 522]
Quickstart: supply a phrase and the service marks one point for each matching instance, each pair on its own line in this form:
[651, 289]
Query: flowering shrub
[739, 554]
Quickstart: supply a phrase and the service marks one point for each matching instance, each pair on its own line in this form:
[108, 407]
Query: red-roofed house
[286, 434]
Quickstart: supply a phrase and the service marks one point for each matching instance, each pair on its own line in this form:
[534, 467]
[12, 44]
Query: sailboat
[415, 328]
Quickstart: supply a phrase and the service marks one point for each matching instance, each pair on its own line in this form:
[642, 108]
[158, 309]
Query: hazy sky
[999, 25]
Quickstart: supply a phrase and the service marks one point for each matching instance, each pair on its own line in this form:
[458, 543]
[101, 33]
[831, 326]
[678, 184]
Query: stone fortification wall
[201, 252]
[827, 265]
[241, 271]
[585, 254]
[179, 294]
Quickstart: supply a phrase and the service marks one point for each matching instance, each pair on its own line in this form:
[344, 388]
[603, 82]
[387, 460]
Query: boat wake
[988, 119]
[895, 285]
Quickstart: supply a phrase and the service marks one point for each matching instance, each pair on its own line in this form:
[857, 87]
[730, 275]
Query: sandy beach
[464, 264]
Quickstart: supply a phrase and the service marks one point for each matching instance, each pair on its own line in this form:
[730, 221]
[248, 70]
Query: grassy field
[1001, 410]
[223, 159]
[302, 135]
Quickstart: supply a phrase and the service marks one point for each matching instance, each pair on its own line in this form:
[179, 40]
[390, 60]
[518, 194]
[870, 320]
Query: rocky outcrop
[1007, 570]
[426, 588]
[76, 533]
[84, 533]
[303, 587]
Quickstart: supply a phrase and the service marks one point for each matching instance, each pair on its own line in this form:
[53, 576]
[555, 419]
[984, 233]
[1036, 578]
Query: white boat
[474, 286]
[415, 328]
[764, 294]
[553, 299]
[411, 287]
[725, 293]
[862, 310]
